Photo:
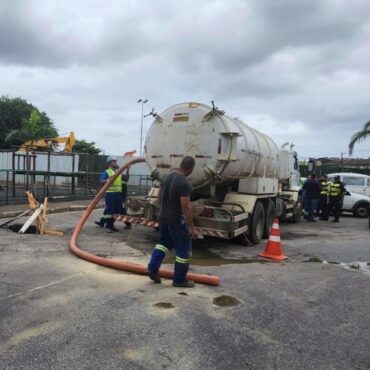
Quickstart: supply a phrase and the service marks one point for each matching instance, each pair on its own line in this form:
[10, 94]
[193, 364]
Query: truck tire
[362, 210]
[257, 223]
[297, 213]
[270, 213]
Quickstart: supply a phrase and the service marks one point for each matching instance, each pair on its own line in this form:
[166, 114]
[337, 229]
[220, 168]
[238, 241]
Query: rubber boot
[155, 264]
[179, 276]
[101, 222]
[156, 260]
[110, 224]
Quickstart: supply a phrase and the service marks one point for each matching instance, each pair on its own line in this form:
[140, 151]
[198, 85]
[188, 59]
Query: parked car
[354, 182]
[357, 204]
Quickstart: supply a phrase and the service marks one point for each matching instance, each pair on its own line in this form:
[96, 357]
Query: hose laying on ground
[118, 264]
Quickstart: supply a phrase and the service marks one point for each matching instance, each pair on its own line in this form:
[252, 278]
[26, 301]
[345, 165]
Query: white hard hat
[111, 159]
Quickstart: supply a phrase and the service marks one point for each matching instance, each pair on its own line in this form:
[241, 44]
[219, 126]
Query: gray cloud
[24, 39]
[304, 65]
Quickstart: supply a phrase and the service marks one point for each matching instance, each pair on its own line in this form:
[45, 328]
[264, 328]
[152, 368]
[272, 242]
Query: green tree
[359, 136]
[82, 146]
[21, 121]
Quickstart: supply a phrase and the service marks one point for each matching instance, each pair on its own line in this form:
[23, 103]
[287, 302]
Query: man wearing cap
[113, 196]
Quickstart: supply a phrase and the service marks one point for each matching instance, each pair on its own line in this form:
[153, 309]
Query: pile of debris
[38, 217]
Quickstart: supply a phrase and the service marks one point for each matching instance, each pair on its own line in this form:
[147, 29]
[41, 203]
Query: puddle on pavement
[226, 301]
[210, 259]
[313, 259]
[201, 255]
[288, 235]
[164, 305]
[359, 266]
[351, 266]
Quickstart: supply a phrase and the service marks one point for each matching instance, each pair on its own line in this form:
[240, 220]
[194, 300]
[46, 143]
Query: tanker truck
[241, 179]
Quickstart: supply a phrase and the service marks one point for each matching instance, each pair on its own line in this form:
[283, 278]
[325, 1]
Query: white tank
[224, 148]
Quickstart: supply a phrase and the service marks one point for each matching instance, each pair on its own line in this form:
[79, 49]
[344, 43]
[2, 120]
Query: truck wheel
[257, 223]
[362, 210]
[270, 215]
[297, 213]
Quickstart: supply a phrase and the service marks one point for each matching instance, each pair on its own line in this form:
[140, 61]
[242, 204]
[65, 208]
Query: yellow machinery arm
[45, 143]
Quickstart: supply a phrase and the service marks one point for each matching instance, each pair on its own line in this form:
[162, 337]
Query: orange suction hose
[117, 264]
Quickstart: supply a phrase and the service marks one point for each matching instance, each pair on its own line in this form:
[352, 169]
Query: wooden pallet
[38, 216]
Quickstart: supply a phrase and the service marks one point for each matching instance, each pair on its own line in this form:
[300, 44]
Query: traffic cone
[273, 248]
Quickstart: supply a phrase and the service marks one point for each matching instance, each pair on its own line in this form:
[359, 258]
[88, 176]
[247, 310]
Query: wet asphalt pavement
[60, 312]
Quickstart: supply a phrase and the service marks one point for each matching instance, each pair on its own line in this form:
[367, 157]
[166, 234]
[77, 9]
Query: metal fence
[60, 176]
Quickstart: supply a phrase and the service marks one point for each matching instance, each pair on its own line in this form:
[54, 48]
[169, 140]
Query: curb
[73, 208]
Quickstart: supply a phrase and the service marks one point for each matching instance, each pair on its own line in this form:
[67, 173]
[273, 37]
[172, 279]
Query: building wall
[63, 163]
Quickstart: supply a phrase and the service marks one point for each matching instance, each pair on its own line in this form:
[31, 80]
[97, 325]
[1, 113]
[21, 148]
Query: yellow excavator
[51, 143]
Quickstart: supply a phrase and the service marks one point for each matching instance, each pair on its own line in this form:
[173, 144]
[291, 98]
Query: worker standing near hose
[119, 264]
[175, 225]
[113, 196]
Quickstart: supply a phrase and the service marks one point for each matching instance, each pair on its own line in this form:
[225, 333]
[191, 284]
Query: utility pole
[142, 101]
[341, 160]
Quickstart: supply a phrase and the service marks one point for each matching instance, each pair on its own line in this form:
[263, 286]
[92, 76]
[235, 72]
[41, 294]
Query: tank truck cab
[290, 187]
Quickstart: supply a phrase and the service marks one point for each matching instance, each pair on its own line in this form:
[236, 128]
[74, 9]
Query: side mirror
[348, 193]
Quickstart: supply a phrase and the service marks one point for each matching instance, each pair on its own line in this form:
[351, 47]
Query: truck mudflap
[289, 211]
[150, 223]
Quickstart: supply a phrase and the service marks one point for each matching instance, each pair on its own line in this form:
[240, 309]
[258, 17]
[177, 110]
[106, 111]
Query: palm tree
[359, 136]
[31, 131]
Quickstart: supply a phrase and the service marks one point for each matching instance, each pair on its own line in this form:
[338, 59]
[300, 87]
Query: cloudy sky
[297, 70]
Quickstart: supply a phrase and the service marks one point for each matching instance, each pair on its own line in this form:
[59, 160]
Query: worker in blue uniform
[175, 225]
[113, 196]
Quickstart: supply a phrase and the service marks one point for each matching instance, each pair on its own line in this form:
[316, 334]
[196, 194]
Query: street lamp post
[142, 101]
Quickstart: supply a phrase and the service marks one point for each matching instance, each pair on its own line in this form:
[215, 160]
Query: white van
[354, 182]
